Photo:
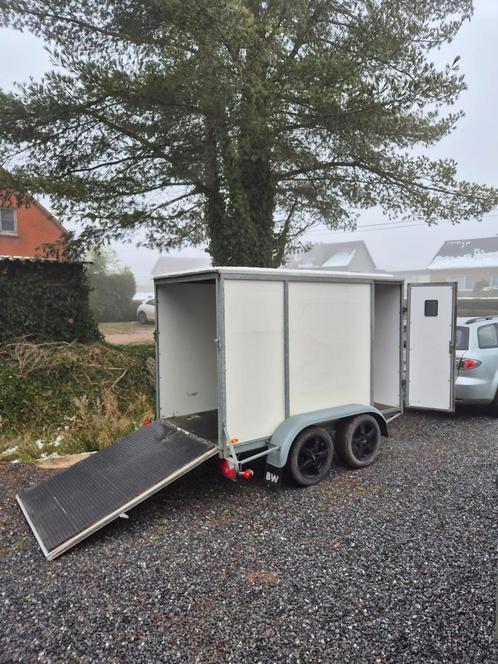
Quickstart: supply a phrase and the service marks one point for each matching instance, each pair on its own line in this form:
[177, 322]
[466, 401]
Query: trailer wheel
[358, 441]
[311, 456]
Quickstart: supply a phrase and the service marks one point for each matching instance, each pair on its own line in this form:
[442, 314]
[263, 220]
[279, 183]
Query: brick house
[25, 229]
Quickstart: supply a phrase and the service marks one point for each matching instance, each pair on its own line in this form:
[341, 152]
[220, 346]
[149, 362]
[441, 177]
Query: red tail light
[247, 474]
[469, 364]
[228, 470]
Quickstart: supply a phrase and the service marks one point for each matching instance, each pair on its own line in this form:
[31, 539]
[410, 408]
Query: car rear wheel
[494, 403]
[311, 456]
[358, 441]
[142, 318]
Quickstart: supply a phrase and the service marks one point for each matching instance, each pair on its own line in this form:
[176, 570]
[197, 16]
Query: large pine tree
[236, 122]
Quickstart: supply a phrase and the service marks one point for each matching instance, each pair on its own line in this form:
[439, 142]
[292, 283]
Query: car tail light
[228, 470]
[468, 364]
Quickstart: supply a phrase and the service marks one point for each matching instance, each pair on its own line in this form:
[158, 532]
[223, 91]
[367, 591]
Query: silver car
[146, 312]
[477, 360]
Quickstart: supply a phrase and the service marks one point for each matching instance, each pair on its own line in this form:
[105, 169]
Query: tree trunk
[240, 222]
[241, 199]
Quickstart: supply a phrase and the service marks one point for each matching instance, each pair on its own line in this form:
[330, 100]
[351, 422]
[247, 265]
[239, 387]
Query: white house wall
[329, 345]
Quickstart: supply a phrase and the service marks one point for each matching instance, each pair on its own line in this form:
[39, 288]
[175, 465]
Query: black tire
[311, 456]
[494, 404]
[358, 441]
[142, 317]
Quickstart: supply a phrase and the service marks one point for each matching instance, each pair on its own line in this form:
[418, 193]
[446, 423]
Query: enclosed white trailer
[293, 366]
[264, 354]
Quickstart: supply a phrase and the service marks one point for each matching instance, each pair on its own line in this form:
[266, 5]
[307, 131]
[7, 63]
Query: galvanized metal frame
[372, 339]
[249, 445]
[335, 278]
[401, 319]
[454, 291]
[156, 343]
[187, 277]
[407, 373]
[286, 350]
[223, 443]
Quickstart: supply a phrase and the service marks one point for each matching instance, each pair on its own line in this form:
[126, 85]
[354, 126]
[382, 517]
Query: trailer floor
[203, 424]
[392, 564]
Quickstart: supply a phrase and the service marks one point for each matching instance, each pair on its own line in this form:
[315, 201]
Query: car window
[462, 338]
[151, 302]
[487, 336]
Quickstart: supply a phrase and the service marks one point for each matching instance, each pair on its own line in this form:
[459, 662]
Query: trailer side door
[430, 346]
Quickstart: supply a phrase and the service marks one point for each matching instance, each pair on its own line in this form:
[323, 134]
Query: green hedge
[45, 301]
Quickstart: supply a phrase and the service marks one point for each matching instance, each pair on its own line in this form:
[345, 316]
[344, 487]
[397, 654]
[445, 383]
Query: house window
[494, 281]
[464, 281]
[8, 221]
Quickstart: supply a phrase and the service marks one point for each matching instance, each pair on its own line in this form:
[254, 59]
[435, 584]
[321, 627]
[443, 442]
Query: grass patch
[67, 398]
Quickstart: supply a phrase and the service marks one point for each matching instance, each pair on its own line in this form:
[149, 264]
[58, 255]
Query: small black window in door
[431, 307]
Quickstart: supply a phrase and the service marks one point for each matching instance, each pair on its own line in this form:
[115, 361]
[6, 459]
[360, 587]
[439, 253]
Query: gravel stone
[393, 563]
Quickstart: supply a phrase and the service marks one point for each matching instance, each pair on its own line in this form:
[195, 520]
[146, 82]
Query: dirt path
[127, 333]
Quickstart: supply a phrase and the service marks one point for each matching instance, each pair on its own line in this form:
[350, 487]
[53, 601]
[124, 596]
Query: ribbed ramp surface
[73, 504]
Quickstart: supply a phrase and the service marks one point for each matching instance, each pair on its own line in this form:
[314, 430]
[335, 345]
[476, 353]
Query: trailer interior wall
[329, 345]
[186, 345]
[254, 357]
[386, 346]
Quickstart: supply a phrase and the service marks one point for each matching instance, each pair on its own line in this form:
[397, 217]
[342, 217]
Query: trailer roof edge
[262, 273]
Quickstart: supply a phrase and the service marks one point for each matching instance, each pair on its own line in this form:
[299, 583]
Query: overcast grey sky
[474, 144]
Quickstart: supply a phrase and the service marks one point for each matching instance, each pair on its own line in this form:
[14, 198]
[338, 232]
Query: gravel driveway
[395, 563]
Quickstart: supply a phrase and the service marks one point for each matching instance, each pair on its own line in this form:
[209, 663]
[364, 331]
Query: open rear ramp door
[73, 504]
[430, 346]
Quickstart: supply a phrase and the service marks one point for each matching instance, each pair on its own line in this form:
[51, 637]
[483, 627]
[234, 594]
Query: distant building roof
[168, 264]
[337, 255]
[461, 254]
[141, 296]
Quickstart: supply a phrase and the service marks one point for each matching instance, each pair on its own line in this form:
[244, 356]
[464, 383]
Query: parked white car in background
[477, 360]
[146, 312]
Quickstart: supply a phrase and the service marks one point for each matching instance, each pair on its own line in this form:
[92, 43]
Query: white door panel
[431, 346]
[330, 328]
[254, 358]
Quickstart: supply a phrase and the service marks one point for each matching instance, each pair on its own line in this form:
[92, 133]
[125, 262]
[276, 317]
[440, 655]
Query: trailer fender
[286, 432]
